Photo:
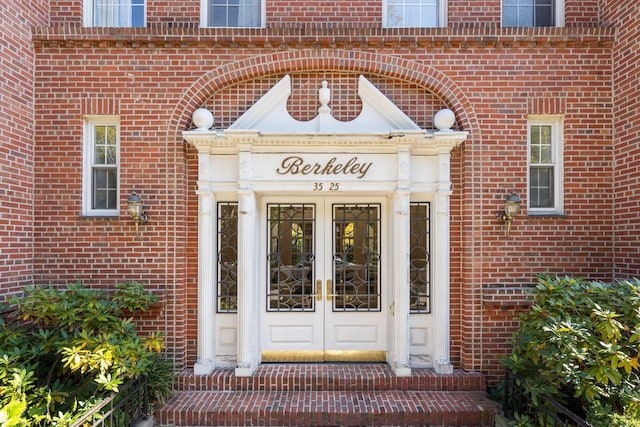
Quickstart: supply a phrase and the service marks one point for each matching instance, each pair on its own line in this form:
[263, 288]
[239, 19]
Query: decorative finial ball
[202, 119]
[444, 119]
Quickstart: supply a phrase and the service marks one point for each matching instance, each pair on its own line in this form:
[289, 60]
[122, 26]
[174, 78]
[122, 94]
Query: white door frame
[250, 158]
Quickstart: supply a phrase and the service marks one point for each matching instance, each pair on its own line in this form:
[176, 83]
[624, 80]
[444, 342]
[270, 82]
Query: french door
[324, 287]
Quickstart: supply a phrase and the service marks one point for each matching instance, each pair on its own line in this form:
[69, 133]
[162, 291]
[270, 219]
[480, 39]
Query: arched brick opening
[464, 298]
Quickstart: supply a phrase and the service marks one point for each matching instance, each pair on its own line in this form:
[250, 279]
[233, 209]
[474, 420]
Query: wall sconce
[511, 208]
[135, 209]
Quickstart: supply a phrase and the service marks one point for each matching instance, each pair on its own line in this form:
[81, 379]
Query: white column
[440, 259]
[206, 270]
[247, 271]
[400, 285]
[401, 230]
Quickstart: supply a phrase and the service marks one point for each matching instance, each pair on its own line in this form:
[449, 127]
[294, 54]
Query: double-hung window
[101, 166]
[415, 13]
[532, 13]
[232, 13]
[545, 165]
[114, 13]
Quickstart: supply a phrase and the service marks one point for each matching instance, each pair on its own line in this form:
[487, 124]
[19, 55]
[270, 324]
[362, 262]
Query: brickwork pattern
[491, 88]
[626, 119]
[347, 12]
[328, 377]
[16, 142]
[154, 77]
[329, 395]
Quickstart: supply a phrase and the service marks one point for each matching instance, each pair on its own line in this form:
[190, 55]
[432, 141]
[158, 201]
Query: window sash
[529, 13]
[104, 188]
[541, 186]
[118, 13]
[415, 13]
[545, 165]
[101, 166]
[234, 13]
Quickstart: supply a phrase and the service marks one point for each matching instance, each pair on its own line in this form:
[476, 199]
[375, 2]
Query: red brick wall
[16, 141]
[493, 83]
[625, 16]
[465, 13]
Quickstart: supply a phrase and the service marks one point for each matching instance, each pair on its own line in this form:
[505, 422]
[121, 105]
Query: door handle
[318, 294]
[330, 295]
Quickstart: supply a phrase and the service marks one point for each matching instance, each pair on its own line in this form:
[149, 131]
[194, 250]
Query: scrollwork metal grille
[291, 258]
[227, 257]
[419, 258]
[356, 257]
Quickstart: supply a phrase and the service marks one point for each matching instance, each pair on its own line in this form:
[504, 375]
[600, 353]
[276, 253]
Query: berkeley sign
[297, 165]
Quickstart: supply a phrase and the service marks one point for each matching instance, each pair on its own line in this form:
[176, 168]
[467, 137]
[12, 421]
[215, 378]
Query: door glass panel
[356, 258]
[419, 255]
[227, 257]
[290, 257]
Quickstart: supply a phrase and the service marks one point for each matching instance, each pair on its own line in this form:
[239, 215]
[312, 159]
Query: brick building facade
[61, 77]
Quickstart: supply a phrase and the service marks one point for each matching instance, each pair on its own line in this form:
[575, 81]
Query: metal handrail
[125, 408]
[556, 414]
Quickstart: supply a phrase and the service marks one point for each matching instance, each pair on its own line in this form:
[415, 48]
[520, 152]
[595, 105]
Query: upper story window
[532, 13]
[415, 13]
[232, 13]
[545, 165]
[114, 13]
[101, 166]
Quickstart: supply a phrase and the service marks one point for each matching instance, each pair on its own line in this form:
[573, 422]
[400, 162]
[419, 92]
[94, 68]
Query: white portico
[323, 240]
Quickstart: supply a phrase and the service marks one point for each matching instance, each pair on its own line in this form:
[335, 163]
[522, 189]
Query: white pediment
[378, 116]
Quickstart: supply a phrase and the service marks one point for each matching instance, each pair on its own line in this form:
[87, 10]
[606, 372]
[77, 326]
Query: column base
[401, 369]
[245, 370]
[203, 367]
[443, 367]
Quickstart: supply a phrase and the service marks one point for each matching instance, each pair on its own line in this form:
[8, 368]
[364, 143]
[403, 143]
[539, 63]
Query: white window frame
[204, 15]
[441, 18]
[558, 12]
[88, 14]
[90, 123]
[557, 152]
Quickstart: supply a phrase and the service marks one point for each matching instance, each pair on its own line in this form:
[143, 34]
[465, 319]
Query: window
[114, 13]
[415, 13]
[232, 13]
[545, 165]
[101, 158]
[227, 257]
[419, 258]
[532, 13]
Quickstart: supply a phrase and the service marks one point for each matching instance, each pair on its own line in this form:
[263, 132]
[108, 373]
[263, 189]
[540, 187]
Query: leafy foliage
[580, 341]
[71, 347]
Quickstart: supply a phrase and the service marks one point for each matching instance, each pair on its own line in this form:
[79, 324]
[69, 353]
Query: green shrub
[580, 341]
[69, 348]
[606, 417]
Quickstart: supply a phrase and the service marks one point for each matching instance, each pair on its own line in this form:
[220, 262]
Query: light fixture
[135, 209]
[511, 208]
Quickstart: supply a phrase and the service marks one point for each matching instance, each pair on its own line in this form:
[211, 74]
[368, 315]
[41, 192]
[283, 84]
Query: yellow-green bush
[68, 348]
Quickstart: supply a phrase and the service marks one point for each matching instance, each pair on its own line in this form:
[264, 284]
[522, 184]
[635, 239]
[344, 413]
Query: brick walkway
[329, 395]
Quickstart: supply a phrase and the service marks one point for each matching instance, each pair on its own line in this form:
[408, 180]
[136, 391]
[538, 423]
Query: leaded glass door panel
[324, 284]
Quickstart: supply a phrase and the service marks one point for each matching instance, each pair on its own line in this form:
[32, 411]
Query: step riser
[329, 395]
[295, 378]
[330, 409]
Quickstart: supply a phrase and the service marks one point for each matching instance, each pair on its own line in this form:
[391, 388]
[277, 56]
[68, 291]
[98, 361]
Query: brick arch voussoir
[324, 59]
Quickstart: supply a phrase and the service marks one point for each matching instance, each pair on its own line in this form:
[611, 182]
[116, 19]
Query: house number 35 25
[326, 186]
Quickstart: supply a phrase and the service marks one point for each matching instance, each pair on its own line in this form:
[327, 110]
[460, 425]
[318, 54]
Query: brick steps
[311, 377]
[329, 395]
